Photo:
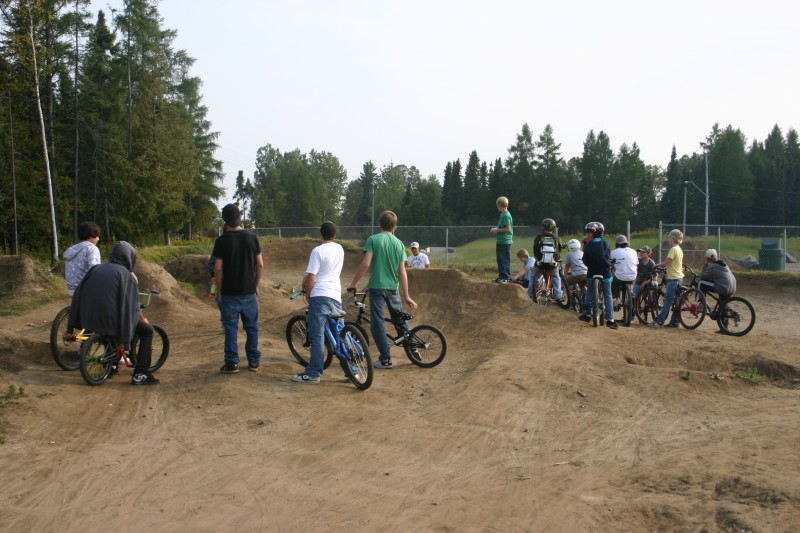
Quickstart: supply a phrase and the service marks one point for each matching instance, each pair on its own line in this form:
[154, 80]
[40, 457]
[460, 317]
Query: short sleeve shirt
[675, 268]
[626, 263]
[503, 222]
[387, 253]
[238, 250]
[326, 263]
[418, 261]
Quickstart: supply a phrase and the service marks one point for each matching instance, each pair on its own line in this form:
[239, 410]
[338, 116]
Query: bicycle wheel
[542, 291]
[360, 328]
[300, 346]
[160, 350]
[691, 308]
[596, 305]
[97, 356]
[426, 346]
[65, 352]
[736, 316]
[647, 305]
[358, 366]
[627, 305]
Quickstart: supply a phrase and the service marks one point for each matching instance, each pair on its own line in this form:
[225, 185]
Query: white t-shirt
[627, 261]
[326, 263]
[575, 262]
[418, 261]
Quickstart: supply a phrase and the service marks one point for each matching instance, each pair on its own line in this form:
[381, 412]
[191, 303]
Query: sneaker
[302, 378]
[229, 368]
[382, 364]
[415, 354]
[585, 318]
[612, 324]
[253, 367]
[672, 325]
[654, 324]
[114, 369]
[144, 379]
[502, 280]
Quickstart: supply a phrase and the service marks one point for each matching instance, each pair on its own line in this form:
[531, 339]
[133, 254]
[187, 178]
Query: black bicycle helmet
[596, 228]
[549, 224]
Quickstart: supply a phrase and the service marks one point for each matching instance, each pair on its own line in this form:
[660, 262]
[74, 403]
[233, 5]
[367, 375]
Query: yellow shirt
[675, 268]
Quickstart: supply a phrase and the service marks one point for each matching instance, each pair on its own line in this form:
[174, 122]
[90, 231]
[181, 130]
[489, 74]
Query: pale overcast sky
[426, 82]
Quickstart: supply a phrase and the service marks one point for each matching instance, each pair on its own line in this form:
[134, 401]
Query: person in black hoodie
[716, 276]
[107, 302]
[597, 258]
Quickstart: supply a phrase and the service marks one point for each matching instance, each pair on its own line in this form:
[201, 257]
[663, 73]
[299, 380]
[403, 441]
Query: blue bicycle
[344, 341]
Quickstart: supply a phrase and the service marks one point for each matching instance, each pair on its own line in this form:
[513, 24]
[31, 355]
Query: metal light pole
[705, 154]
[685, 188]
[693, 184]
[372, 228]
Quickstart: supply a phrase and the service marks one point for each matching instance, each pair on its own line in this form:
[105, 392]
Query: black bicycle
[599, 302]
[623, 307]
[101, 354]
[688, 306]
[424, 345]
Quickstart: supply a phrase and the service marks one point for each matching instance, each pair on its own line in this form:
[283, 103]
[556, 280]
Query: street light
[685, 183]
[705, 154]
[373, 204]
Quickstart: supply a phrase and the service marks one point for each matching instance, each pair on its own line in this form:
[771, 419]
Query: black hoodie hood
[123, 254]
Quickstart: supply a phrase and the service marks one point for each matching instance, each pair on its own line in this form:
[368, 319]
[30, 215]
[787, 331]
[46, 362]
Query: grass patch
[161, 255]
[751, 375]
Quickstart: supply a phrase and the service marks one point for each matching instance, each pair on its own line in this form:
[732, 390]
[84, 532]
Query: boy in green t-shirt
[505, 234]
[385, 257]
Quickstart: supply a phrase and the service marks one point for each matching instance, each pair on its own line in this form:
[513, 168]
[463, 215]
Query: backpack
[548, 247]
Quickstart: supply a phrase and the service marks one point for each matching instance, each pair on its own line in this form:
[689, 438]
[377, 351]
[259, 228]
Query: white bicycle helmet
[574, 245]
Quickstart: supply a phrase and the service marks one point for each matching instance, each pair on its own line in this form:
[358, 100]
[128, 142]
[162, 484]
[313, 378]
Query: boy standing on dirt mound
[323, 288]
[385, 257]
[237, 270]
[505, 237]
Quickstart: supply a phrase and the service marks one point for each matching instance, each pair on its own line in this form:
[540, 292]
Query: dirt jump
[534, 422]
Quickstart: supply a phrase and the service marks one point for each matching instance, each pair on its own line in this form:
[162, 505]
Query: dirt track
[534, 422]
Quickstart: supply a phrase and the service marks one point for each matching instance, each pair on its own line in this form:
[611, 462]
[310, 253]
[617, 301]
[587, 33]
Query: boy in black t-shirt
[237, 271]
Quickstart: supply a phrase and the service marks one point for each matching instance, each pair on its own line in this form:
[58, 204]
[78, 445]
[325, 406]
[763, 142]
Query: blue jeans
[669, 296]
[555, 281]
[503, 253]
[231, 308]
[391, 299]
[606, 284]
[319, 309]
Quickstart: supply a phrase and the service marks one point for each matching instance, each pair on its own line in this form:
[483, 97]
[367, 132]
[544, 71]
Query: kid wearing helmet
[574, 269]
[547, 251]
[597, 258]
[625, 262]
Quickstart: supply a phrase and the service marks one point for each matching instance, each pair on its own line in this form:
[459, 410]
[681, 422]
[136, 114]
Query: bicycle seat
[597, 276]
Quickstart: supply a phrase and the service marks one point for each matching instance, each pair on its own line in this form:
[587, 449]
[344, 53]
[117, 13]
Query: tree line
[756, 183]
[100, 119]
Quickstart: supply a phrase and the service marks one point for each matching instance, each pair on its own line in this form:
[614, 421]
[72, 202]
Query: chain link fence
[759, 247]
[467, 245]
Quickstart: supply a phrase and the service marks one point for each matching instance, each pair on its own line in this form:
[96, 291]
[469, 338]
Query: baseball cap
[621, 239]
[645, 249]
[414, 244]
[711, 253]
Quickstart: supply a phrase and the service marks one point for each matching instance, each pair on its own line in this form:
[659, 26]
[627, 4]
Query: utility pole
[705, 154]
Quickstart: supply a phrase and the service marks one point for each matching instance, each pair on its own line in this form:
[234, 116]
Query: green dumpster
[771, 256]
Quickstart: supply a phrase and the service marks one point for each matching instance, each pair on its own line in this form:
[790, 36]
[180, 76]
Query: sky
[426, 82]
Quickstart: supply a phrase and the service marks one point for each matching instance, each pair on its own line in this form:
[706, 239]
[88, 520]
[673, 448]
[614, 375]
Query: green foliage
[12, 396]
[751, 375]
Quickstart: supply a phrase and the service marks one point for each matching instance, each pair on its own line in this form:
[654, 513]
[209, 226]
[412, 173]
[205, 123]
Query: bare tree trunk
[77, 136]
[130, 86]
[15, 242]
[54, 258]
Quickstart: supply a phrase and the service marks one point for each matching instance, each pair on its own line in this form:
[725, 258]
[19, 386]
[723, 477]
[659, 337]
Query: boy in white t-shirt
[417, 259]
[624, 261]
[323, 289]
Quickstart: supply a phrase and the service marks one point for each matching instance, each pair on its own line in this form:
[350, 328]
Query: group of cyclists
[618, 267]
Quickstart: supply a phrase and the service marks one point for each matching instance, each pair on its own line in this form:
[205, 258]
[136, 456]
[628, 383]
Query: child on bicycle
[644, 270]
[547, 251]
[525, 276]
[673, 278]
[716, 276]
[624, 263]
[574, 269]
[324, 295]
[597, 258]
[505, 237]
[80, 257]
[385, 258]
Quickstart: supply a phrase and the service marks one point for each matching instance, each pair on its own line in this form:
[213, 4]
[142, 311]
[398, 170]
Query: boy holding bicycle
[673, 278]
[323, 290]
[385, 257]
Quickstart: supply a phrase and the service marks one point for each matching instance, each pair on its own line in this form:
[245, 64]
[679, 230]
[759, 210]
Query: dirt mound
[22, 280]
